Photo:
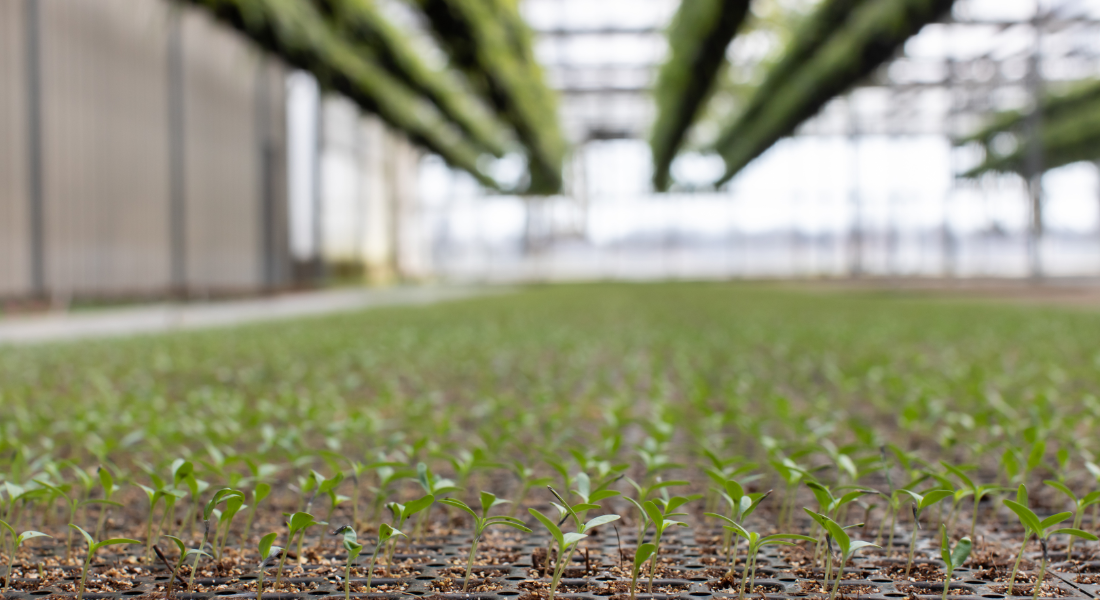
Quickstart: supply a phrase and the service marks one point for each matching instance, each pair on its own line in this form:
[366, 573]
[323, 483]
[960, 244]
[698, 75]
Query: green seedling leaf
[571, 538]
[1074, 532]
[299, 521]
[386, 532]
[1053, 520]
[454, 502]
[642, 555]
[178, 542]
[550, 525]
[265, 545]
[261, 492]
[596, 522]
[962, 552]
[417, 505]
[26, 535]
[116, 541]
[1061, 487]
[1027, 517]
[87, 536]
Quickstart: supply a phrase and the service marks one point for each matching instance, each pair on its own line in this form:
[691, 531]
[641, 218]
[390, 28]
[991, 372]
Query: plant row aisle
[630, 441]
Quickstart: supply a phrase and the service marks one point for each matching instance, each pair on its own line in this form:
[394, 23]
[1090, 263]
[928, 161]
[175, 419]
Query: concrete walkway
[134, 320]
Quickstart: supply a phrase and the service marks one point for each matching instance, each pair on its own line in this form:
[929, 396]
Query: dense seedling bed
[676, 441]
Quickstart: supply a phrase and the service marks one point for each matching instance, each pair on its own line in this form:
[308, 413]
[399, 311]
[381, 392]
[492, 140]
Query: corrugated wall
[163, 152]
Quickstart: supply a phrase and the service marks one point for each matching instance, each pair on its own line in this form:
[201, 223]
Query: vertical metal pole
[268, 276]
[177, 156]
[947, 237]
[855, 268]
[1033, 159]
[32, 32]
[318, 187]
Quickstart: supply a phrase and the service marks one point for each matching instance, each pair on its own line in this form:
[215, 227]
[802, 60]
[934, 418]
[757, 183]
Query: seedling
[659, 516]
[259, 493]
[72, 503]
[17, 541]
[978, 491]
[643, 496]
[830, 505]
[353, 548]
[481, 523]
[848, 546]
[388, 475]
[107, 482]
[233, 505]
[401, 513]
[741, 506]
[155, 496]
[329, 487]
[219, 496]
[756, 542]
[92, 547]
[184, 553]
[640, 557]
[1043, 531]
[527, 481]
[1021, 499]
[267, 552]
[920, 503]
[954, 559]
[567, 542]
[296, 526]
[1079, 506]
[385, 534]
[434, 486]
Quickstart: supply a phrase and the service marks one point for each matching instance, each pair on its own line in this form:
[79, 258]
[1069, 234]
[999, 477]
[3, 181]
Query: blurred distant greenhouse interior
[205, 148]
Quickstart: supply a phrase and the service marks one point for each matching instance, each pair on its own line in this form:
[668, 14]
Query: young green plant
[1043, 529]
[267, 553]
[920, 504]
[953, 559]
[401, 513]
[17, 541]
[756, 542]
[184, 553]
[385, 534]
[92, 547]
[848, 546]
[259, 493]
[222, 495]
[481, 523]
[296, 526]
[1079, 506]
[659, 514]
[640, 557]
[567, 542]
[353, 548]
[978, 491]
[741, 506]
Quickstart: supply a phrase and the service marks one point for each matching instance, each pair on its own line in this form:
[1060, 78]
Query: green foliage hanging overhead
[489, 41]
[697, 39]
[1070, 132]
[295, 31]
[363, 24]
[869, 36]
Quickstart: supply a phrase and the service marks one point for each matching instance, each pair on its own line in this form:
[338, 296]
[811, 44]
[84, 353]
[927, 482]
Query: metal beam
[32, 31]
[177, 156]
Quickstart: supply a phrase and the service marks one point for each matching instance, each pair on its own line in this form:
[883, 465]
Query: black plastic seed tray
[595, 576]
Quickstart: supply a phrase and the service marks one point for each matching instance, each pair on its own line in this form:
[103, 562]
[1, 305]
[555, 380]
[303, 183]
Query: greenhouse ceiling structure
[492, 97]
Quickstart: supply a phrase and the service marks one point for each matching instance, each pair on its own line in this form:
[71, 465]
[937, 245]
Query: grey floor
[156, 318]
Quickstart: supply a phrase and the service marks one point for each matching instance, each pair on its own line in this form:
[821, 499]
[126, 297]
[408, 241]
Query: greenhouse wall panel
[15, 271]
